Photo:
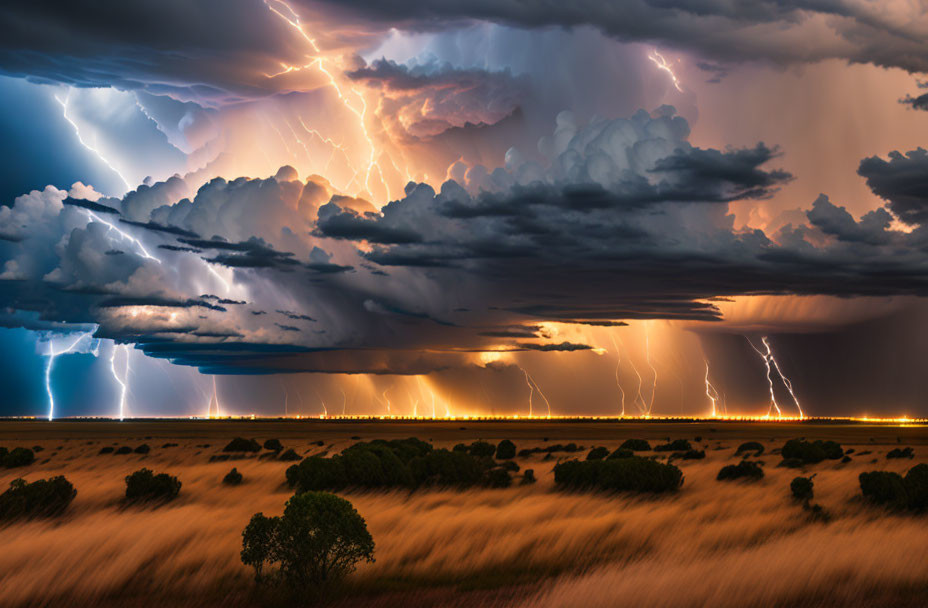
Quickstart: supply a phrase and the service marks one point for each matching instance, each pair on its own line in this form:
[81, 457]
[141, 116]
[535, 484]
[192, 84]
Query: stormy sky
[459, 208]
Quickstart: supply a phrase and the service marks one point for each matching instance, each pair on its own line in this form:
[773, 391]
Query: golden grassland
[711, 544]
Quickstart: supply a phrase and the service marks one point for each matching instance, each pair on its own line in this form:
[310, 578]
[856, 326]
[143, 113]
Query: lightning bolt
[618, 360]
[319, 62]
[344, 401]
[783, 378]
[64, 106]
[123, 384]
[773, 397]
[531, 383]
[52, 355]
[711, 393]
[531, 393]
[663, 64]
[647, 346]
[213, 399]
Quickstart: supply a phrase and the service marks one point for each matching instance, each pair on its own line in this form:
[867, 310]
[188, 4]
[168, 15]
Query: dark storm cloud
[902, 181]
[156, 227]
[90, 205]
[891, 36]
[160, 302]
[561, 347]
[349, 224]
[916, 103]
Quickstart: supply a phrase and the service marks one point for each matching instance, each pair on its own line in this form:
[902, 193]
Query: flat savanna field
[710, 544]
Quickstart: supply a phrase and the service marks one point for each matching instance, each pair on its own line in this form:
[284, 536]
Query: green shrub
[319, 539]
[481, 449]
[916, 487]
[143, 449]
[677, 445]
[884, 488]
[498, 478]
[505, 450]
[621, 453]
[273, 445]
[633, 474]
[289, 456]
[240, 444]
[752, 471]
[750, 446]
[18, 457]
[232, 478]
[636, 445]
[801, 487]
[143, 486]
[900, 453]
[811, 452]
[41, 498]
[446, 468]
[597, 453]
[510, 466]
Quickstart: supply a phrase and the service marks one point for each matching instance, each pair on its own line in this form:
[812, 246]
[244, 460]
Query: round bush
[41, 498]
[498, 478]
[240, 444]
[143, 485]
[801, 487]
[636, 445]
[505, 450]
[142, 449]
[633, 474]
[19, 457]
[232, 478]
[273, 445]
[597, 453]
[745, 469]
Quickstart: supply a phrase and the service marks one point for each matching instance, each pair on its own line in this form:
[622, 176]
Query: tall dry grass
[713, 544]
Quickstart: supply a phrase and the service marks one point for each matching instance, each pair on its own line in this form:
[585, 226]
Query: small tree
[143, 485]
[319, 538]
[233, 477]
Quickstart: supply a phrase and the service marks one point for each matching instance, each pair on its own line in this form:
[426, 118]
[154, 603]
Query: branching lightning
[711, 393]
[319, 62]
[647, 346]
[663, 64]
[52, 355]
[64, 106]
[771, 366]
[783, 378]
[124, 382]
[618, 360]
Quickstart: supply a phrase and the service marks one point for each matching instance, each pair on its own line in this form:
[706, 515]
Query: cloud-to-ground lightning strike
[786, 382]
[52, 355]
[647, 350]
[531, 393]
[663, 64]
[124, 382]
[618, 360]
[773, 397]
[213, 406]
[711, 393]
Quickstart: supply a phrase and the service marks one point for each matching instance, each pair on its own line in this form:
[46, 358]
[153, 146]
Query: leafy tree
[319, 538]
[505, 450]
[885, 488]
[41, 498]
[143, 485]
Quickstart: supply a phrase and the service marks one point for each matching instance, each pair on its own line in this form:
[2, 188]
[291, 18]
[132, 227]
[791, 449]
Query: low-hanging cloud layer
[623, 220]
